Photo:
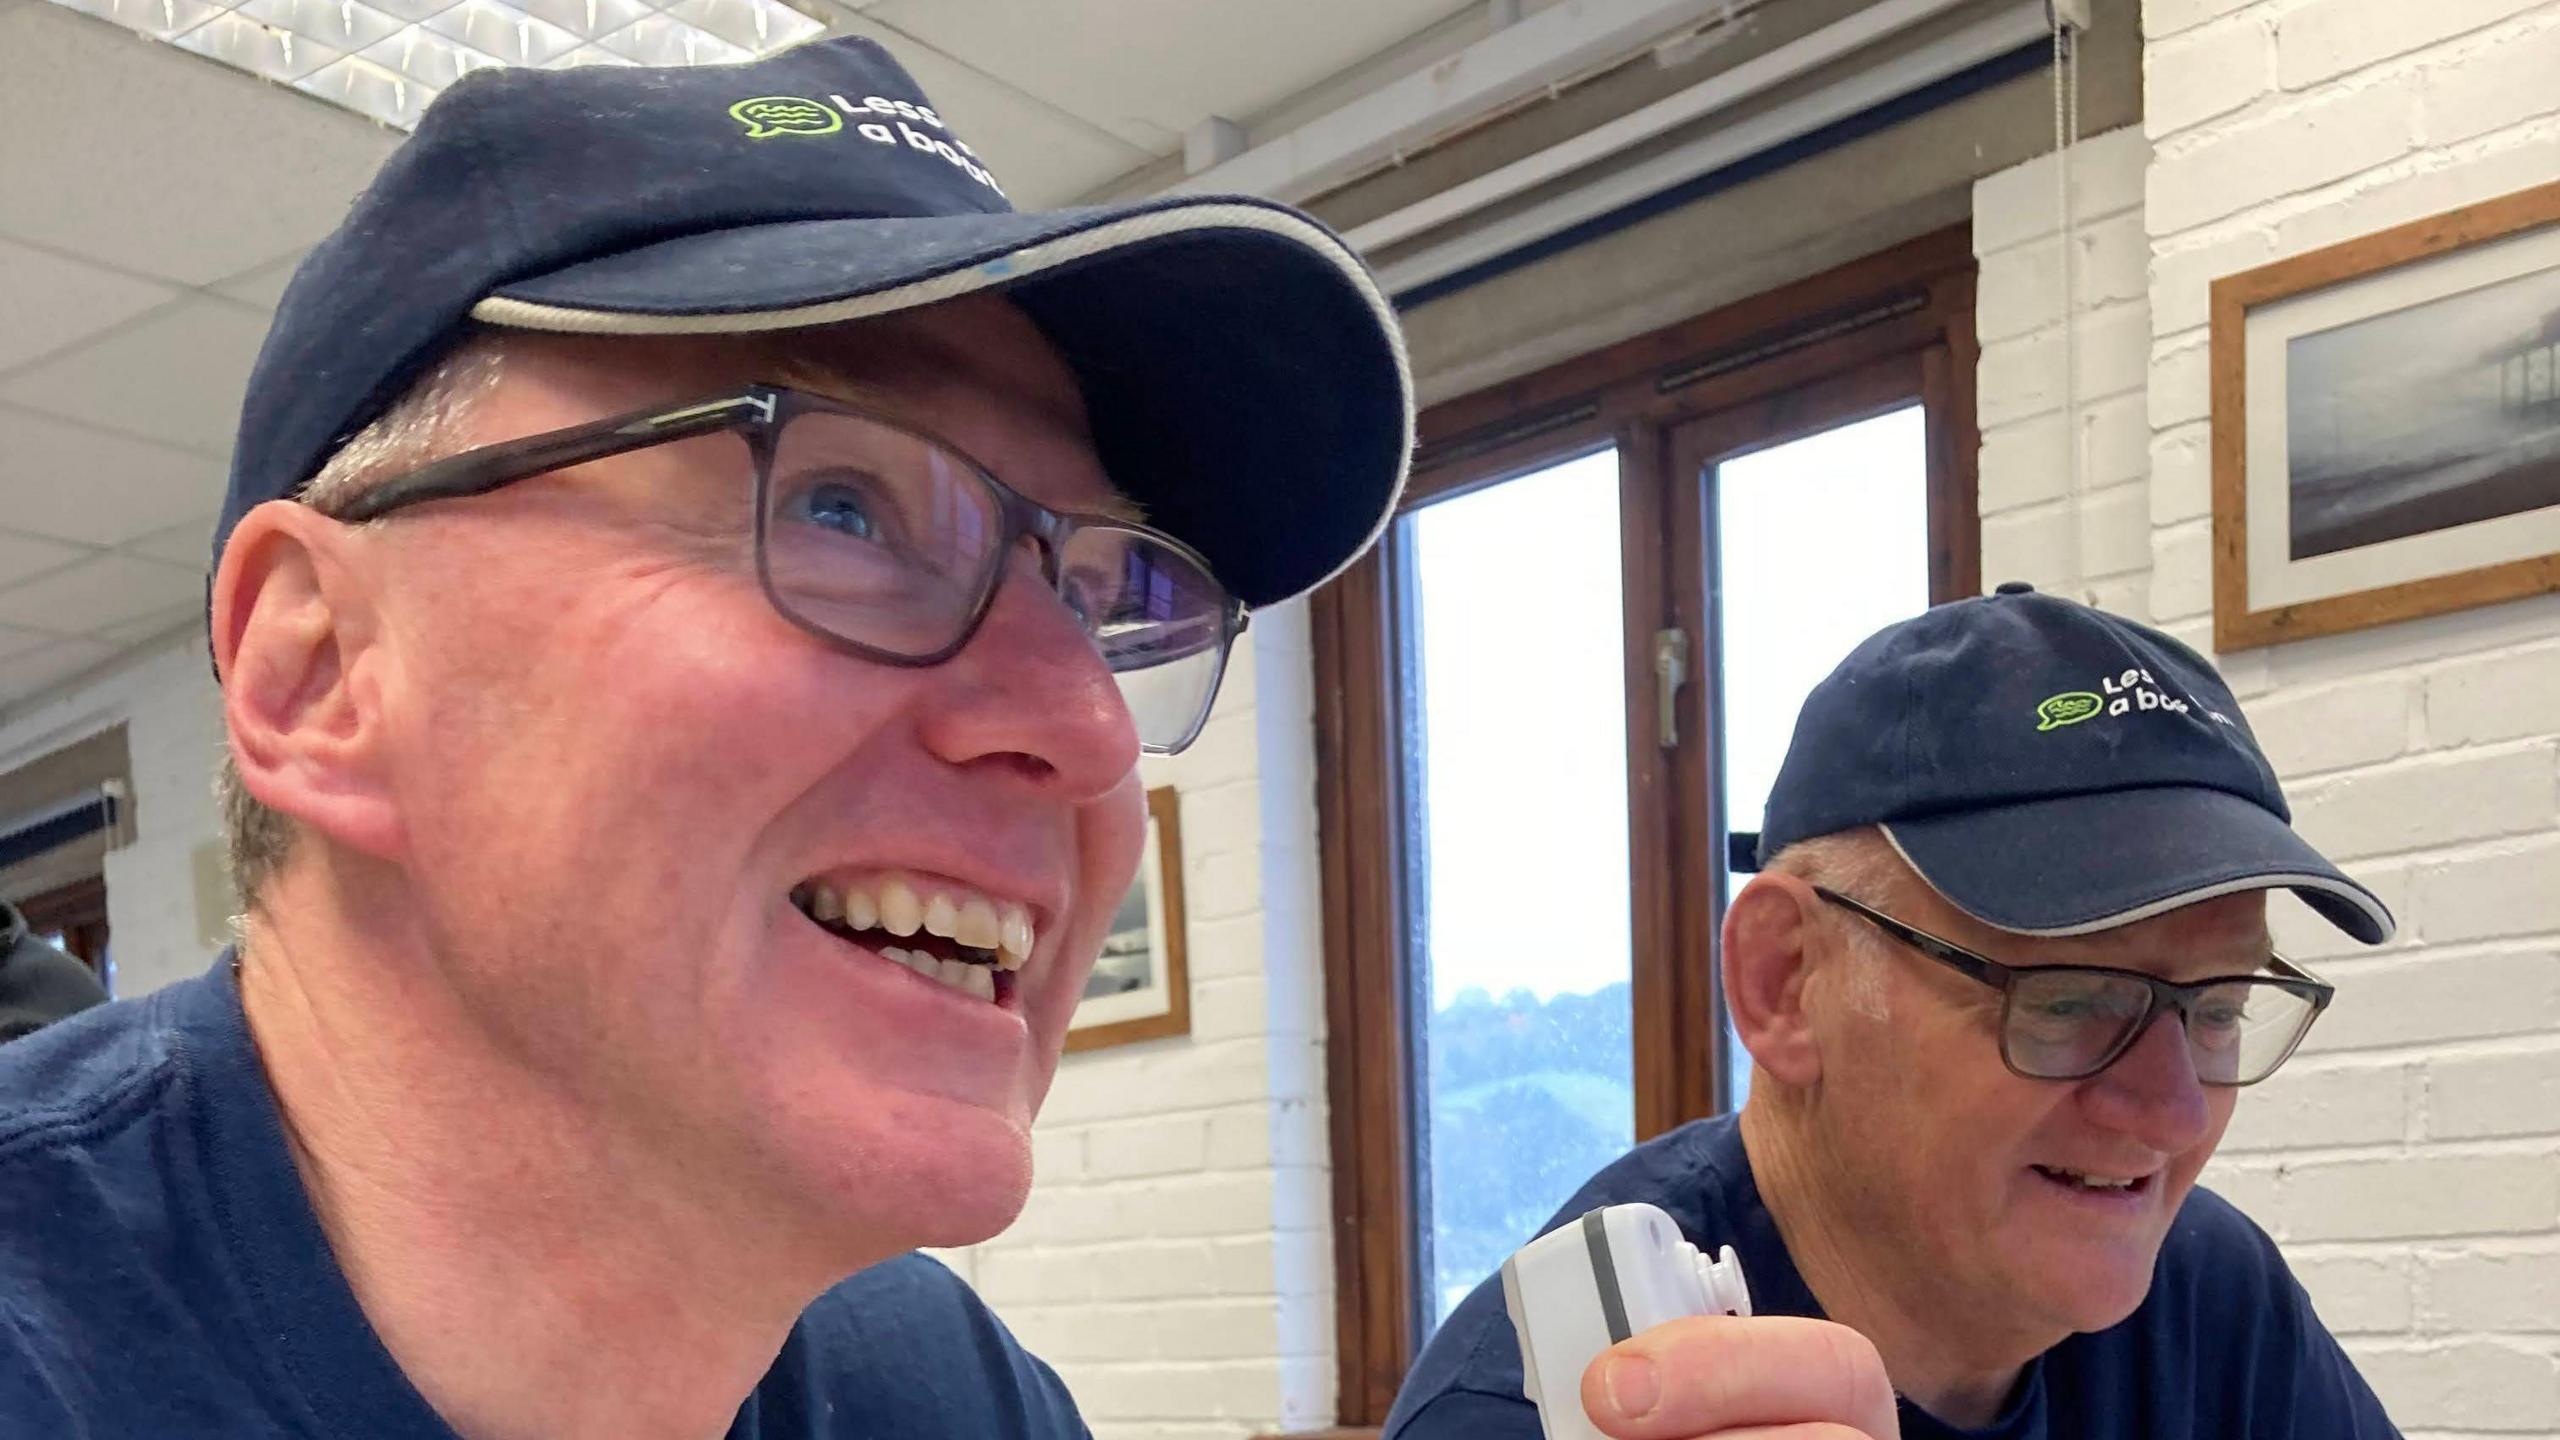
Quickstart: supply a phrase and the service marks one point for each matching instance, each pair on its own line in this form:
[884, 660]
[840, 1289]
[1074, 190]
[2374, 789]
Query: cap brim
[2081, 863]
[1245, 379]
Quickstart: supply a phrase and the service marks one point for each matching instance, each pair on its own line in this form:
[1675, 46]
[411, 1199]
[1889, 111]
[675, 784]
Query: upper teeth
[896, 904]
[2094, 1182]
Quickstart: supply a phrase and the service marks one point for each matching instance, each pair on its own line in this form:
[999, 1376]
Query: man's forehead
[977, 372]
[984, 343]
[2207, 936]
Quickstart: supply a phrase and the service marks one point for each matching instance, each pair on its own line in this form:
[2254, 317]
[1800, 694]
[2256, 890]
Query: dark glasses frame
[2164, 995]
[758, 414]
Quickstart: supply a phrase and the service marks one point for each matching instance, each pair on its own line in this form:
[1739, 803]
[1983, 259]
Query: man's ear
[1767, 928]
[295, 640]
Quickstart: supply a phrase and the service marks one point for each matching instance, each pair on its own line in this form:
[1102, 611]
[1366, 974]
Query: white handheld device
[1581, 1288]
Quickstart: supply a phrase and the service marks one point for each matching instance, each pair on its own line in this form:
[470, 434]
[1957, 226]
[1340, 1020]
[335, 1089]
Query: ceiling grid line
[46, 247]
[186, 295]
[38, 412]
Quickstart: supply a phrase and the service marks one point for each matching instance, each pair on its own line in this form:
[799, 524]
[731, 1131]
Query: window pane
[1515, 714]
[1820, 542]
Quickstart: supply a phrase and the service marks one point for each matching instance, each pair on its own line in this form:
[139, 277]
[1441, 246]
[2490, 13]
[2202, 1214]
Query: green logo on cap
[2068, 708]
[770, 115]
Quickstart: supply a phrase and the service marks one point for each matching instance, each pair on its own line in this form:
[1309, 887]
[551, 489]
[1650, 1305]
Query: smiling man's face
[626, 782]
[2028, 1206]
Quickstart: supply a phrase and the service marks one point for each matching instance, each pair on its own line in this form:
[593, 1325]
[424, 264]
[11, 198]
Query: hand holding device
[1580, 1288]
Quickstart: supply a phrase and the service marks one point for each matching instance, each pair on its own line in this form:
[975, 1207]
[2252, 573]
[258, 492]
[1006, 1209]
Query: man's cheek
[1054, 1006]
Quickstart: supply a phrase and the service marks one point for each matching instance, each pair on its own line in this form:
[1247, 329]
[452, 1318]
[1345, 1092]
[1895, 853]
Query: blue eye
[840, 508]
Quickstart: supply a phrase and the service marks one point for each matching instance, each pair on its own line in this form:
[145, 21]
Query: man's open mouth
[2095, 1183]
[969, 941]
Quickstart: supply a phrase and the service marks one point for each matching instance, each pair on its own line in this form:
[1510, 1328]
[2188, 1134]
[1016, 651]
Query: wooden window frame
[78, 911]
[1645, 396]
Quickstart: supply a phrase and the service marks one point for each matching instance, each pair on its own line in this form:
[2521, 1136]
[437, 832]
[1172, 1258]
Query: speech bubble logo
[769, 115]
[2068, 708]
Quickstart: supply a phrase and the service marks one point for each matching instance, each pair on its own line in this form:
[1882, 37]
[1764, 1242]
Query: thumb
[1702, 1376]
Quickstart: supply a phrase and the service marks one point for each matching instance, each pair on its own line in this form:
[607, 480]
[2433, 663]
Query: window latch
[1670, 672]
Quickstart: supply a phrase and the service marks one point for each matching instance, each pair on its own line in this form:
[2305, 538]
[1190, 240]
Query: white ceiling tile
[152, 627]
[177, 375]
[30, 675]
[264, 286]
[98, 593]
[190, 544]
[1148, 70]
[1041, 157]
[74, 482]
[52, 301]
[152, 160]
[23, 555]
[15, 642]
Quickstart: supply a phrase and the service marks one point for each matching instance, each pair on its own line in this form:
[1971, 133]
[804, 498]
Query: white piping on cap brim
[990, 275]
[2282, 880]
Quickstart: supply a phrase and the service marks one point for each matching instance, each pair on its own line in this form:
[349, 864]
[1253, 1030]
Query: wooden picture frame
[2378, 454]
[1141, 987]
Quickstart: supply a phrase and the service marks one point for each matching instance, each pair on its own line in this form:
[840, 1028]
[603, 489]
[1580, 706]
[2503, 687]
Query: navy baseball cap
[2051, 770]
[1245, 379]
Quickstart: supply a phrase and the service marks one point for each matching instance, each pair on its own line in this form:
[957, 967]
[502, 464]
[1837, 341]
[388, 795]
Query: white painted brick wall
[2409, 1159]
[2033, 527]
[1175, 1261]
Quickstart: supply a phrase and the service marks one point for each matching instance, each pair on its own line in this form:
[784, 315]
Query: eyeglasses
[2068, 1022]
[891, 543]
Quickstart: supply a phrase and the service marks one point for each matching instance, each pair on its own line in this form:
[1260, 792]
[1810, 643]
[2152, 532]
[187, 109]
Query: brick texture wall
[2093, 544]
[2409, 1159]
[1175, 1261]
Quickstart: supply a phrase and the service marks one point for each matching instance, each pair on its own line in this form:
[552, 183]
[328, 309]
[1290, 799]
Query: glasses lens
[2064, 1023]
[1161, 622]
[2239, 1032]
[877, 535]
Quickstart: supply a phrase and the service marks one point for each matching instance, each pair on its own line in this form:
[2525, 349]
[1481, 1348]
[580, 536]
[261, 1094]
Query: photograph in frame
[2386, 425]
[1140, 988]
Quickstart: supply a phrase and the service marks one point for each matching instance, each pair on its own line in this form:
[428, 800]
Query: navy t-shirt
[162, 1273]
[2225, 1347]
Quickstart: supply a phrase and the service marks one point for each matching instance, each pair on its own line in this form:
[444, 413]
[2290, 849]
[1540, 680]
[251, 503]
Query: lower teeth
[2083, 1182]
[961, 975]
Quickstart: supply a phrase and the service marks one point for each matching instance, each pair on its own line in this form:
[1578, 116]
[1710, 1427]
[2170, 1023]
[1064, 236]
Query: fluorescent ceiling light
[385, 59]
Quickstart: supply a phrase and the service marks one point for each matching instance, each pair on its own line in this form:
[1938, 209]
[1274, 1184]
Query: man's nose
[2151, 1093]
[1030, 691]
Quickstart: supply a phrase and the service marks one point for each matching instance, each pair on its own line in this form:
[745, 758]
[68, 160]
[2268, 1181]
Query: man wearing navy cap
[698, 573]
[2002, 974]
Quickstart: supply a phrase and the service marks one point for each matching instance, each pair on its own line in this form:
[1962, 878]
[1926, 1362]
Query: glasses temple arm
[477, 472]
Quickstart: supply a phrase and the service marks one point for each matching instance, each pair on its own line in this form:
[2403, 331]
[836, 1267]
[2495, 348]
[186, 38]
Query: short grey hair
[1863, 865]
[427, 422]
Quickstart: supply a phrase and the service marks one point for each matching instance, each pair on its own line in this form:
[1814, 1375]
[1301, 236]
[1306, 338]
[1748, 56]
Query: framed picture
[1141, 987]
[2386, 425]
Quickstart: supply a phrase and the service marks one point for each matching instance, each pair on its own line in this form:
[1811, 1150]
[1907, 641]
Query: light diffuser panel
[385, 59]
